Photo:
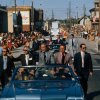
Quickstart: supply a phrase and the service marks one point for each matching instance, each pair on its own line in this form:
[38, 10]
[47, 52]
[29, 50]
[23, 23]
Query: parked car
[48, 82]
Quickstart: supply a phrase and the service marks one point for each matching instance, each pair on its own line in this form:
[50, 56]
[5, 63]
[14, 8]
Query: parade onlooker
[83, 66]
[35, 43]
[73, 45]
[6, 67]
[0, 49]
[58, 40]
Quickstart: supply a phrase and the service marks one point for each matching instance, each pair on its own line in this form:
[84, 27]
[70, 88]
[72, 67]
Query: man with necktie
[6, 67]
[73, 45]
[63, 57]
[44, 55]
[26, 58]
[83, 66]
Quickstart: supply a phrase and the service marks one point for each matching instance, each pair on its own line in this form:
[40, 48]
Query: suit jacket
[31, 60]
[75, 42]
[88, 67]
[49, 58]
[58, 58]
[35, 45]
[58, 42]
[10, 65]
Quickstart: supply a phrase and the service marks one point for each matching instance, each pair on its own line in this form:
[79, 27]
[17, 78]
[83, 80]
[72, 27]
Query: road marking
[96, 69]
[96, 66]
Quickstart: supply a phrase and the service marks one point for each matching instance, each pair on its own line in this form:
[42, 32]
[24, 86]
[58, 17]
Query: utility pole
[84, 13]
[32, 17]
[77, 14]
[70, 22]
[15, 5]
[67, 14]
[52, 15]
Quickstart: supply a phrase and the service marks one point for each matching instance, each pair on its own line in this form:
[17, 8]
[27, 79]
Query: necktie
[44, 57]
[63, 58]
[5, 63]
[72, 43]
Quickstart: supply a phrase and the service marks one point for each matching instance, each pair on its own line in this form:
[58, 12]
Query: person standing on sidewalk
[83, 66]
[73, 44]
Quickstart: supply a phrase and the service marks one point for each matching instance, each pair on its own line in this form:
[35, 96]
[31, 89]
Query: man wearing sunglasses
[83, 66]
[26, 58]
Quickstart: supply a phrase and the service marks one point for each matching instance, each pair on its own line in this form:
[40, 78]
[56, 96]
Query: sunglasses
[25, 50]
[84, 48]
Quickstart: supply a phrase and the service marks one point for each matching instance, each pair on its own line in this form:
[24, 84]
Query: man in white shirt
[6, 67]
[73, 45]
[83, 66]
[27, 58]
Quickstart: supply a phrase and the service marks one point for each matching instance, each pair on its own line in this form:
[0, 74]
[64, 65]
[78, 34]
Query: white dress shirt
[82, 56]
[26, 59]
[5, 62]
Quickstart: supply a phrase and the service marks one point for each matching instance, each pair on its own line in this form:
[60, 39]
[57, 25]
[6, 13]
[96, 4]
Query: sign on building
[25, 17]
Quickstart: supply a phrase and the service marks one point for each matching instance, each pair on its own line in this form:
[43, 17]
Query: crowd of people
[37, 52]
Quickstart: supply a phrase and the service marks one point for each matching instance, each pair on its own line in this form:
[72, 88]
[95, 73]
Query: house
[85, 21]
[95, 15]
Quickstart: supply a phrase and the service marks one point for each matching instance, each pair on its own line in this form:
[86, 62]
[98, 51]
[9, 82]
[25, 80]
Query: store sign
[25, 17]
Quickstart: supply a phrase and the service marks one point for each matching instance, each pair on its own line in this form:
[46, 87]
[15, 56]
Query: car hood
[46, 90]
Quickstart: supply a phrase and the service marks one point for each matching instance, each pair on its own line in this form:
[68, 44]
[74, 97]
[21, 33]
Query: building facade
[3, 19]
[25, 12]
[95, 15]
[31, 18]
[85, 22]
[38, 19]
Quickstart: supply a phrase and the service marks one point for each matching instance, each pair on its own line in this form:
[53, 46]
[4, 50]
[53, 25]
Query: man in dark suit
[27, 58]
[58, 40]
[6, 67]
[35, 43]
[83, 66]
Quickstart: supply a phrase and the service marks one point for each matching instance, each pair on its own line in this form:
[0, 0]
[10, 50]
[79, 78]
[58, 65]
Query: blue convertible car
[49, 82]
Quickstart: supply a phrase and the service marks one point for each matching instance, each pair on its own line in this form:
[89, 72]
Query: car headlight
[75, 98]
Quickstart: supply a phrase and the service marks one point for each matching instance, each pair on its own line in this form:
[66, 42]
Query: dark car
[49, 82]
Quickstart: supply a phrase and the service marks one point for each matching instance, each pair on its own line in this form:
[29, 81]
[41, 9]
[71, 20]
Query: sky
[59, 7]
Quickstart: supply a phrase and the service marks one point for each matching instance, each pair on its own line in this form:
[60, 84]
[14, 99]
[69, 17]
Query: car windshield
[43, 77]
[43, 73]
